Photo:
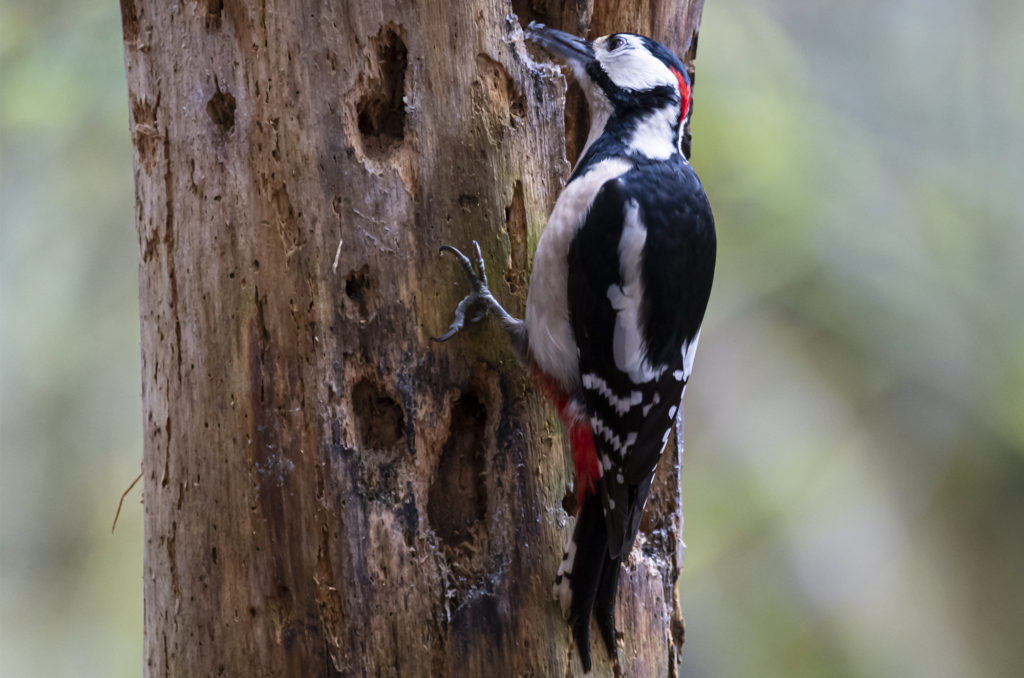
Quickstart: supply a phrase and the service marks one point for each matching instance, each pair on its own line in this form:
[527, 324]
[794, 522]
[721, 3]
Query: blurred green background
[854, 480]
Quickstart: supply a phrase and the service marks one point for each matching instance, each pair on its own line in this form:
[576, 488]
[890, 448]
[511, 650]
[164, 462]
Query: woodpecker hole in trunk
[497, 100]
[211, 9]
[381, 109]
[221, 109]
[380, 422]
[380, 419]
[528, 10]
[357, 284]
[457, 499]
[458, 495]
[515, 225]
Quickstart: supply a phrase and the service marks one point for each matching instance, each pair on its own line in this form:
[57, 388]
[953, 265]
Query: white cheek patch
[635, 68]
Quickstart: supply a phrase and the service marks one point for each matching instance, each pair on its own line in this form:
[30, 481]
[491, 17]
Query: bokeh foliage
[854, 485]
[70, 414]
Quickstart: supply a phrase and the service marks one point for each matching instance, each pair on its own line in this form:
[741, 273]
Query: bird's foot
[480, 296]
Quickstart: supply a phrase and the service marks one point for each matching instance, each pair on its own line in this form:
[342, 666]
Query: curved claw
[480, 294]
[460, 317]
[478, 277]
[467, 265]
[447, 335]
[480, 263]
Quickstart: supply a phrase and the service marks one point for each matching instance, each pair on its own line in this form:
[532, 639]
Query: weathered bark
[326, 491]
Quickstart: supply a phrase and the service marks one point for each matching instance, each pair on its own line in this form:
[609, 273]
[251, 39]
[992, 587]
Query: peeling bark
[326, 491]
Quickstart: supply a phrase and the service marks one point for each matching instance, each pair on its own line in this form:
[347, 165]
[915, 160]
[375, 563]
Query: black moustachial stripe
[629, 110]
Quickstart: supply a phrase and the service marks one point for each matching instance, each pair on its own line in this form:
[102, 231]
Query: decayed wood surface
[326, 491]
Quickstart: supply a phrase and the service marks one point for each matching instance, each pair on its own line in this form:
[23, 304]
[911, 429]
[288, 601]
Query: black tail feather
[592, 575]
[604, 604]
[581, 633]
[594, 581]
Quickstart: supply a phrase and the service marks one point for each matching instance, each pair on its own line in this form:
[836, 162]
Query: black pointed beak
[576, 51]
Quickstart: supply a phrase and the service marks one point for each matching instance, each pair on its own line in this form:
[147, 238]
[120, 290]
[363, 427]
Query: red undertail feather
[581, 438]
[584, 458]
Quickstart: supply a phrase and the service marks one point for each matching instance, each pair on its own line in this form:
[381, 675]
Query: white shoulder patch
[627, 341]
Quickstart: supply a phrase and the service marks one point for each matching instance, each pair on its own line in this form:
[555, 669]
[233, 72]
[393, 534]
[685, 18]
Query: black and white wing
[640, 272]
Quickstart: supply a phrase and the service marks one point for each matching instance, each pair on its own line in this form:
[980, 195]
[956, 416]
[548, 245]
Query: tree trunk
[327, 492]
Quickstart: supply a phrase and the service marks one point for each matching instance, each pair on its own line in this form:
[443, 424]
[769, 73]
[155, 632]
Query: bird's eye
[615, 42]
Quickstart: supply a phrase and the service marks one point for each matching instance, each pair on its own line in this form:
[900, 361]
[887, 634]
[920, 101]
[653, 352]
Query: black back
[677, 270]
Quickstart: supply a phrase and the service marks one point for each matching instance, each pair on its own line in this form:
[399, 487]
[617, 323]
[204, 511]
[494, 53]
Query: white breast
[552, 345]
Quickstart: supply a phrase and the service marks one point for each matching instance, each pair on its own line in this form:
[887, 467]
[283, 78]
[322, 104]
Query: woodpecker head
[630, 81]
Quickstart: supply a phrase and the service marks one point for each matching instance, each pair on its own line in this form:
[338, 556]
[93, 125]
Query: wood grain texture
[327, 492]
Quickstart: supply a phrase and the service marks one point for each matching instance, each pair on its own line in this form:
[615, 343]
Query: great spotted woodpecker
[621, 278]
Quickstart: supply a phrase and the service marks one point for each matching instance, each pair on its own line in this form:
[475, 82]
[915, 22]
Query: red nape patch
[684, 92]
